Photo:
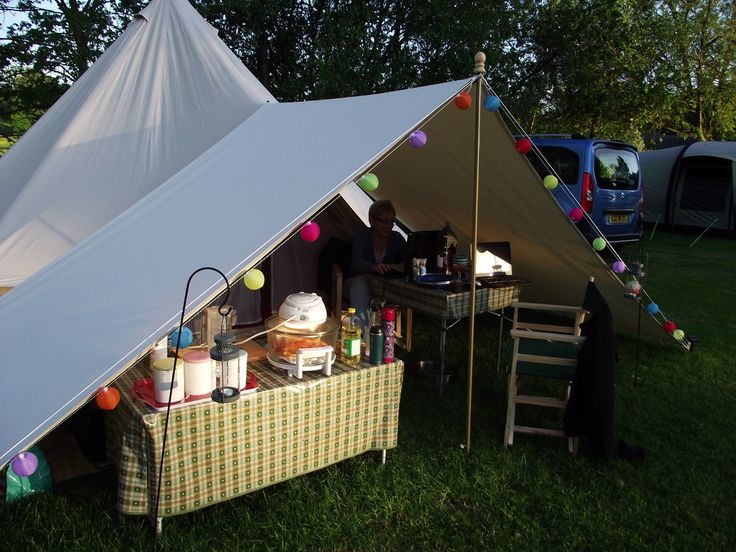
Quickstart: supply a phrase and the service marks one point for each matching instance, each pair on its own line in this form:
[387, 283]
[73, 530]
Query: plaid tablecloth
[441, 303]
[216, 452]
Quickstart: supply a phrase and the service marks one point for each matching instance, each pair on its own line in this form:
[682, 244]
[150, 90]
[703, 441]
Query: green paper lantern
[369, 182]
[254, 279]
[550, 182]
[678, 335]
[599, 244]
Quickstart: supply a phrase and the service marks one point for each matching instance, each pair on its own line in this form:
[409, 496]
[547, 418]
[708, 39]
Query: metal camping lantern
[226, 363]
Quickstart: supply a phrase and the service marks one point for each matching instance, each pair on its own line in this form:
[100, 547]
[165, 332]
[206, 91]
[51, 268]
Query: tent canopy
[164, 92]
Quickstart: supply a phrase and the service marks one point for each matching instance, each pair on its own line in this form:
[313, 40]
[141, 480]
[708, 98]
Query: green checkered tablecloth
[441, 303]
[215, 452]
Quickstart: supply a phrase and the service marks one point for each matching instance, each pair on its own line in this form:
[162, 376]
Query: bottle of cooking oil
[350, 338]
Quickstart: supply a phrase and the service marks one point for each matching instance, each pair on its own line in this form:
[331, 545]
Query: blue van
[604, 176]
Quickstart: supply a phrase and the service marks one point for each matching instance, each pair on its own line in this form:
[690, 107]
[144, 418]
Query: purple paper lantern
[618, 267]
[24, 464]
[418, 139]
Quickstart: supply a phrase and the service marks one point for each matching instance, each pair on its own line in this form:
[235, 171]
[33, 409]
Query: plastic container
[350, 338]
[388, 321]
[198, 381]
[163, 369]
[159, 350]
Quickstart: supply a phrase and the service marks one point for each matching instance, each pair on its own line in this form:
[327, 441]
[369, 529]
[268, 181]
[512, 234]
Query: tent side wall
[703, 192]
[163, 93]
[657, 168]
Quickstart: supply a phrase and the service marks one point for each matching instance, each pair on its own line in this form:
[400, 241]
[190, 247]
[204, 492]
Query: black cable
[173, 372]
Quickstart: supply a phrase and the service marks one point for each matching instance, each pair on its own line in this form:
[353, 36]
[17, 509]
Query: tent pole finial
[480, 63]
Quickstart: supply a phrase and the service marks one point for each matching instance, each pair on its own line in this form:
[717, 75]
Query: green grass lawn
[432, 496]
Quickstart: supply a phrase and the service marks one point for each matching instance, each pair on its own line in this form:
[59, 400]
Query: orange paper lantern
[108, 398]
[463, 100]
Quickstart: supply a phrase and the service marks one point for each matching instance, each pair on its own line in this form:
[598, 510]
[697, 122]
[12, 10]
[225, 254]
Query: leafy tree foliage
[700, 67]
[24, 96]
[611, 68]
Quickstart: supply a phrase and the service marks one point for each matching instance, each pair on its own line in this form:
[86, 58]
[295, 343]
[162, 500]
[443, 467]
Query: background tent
[245, 201]
[166, 90]
[691, 185]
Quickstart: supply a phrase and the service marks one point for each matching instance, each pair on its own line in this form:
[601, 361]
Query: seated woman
[376, 250]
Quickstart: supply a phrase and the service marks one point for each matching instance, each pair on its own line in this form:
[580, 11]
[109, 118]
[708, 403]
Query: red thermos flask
[388, 321]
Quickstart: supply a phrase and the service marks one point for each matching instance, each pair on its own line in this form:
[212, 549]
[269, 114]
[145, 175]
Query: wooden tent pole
[480, 69]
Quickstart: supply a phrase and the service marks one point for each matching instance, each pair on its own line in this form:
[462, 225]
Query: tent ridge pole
[480, 69]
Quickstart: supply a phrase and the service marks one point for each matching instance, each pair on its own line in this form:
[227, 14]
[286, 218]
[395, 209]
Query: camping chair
[542, 350]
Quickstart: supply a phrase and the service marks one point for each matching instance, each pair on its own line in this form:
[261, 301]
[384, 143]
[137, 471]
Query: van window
[616, 169]
[564, 161]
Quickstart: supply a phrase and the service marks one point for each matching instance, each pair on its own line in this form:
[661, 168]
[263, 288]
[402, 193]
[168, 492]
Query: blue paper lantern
[187, 337]
[652, 308]
[492, 103]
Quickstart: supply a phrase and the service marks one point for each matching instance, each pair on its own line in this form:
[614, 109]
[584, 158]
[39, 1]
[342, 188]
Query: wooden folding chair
[542, 349]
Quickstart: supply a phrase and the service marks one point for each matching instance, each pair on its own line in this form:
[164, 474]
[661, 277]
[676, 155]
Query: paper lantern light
[678, 334]
[369, 182]
[492, 103]
[576, 214]
[652, 308]
[108, 398]
[550, 182]
[523, 145]
[254, 279]
[309, 232]
[618, 267]
[187, 337]
[599, 244]
[633, 287]
[669, 326]
[418, 139]
[24, 464]
[463, 100]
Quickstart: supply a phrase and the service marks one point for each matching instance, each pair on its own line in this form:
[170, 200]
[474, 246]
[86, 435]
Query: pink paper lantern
[576, 214]
[309, 232]
[523, 145]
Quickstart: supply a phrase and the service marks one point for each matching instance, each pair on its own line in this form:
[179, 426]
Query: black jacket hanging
[589, 411]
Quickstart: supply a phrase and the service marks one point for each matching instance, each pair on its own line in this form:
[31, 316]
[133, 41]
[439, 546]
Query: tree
[25, 95]
[700, 67]
[595, 67]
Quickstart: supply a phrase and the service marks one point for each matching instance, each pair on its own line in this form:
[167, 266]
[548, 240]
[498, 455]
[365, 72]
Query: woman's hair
[381, 206]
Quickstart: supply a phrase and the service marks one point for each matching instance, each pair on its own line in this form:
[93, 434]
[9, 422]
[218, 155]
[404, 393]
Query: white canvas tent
[244, 195]
[691, 185]
[164, 92]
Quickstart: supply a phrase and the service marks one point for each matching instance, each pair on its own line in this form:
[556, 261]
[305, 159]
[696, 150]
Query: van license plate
[618, 219]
